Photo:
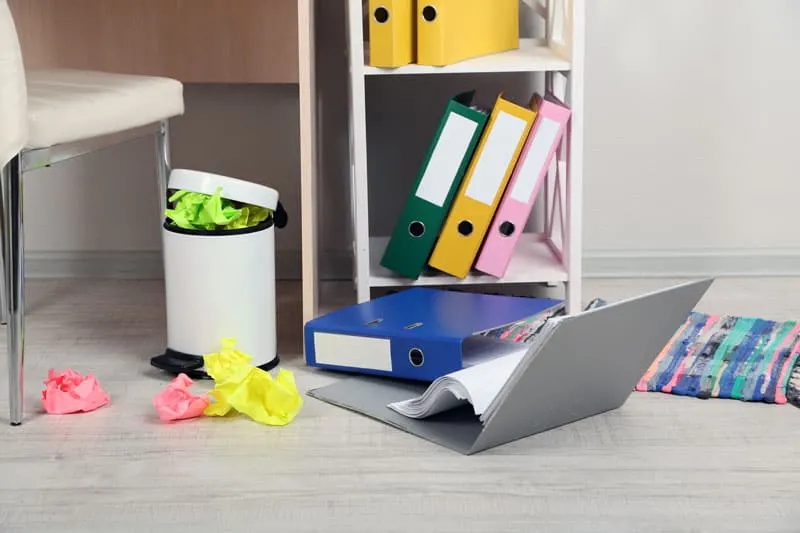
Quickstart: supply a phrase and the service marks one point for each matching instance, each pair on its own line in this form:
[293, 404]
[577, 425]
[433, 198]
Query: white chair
[50, 116]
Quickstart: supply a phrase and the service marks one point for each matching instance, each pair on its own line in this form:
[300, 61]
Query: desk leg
[308, 157]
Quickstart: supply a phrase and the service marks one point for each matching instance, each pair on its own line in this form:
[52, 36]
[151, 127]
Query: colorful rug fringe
[524, 330]
[793, 388]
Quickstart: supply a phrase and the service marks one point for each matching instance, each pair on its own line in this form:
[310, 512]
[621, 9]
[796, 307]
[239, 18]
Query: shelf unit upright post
[552, 256]
[306, 10]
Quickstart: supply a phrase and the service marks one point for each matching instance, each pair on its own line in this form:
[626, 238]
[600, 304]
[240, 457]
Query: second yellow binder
[449, 31]
[483, 186]
[392, 34]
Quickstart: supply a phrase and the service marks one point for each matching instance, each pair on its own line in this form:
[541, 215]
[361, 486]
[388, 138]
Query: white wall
[691, 135]
[691, 150]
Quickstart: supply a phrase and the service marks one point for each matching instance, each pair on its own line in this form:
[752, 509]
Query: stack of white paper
[479, 384]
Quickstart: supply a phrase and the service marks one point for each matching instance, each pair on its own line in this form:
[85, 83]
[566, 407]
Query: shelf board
[533, 262]
[531, 56]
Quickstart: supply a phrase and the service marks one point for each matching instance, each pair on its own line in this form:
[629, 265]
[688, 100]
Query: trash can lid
[232, 188]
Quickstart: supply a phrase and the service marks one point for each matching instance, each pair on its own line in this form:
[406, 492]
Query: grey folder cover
[579, 366]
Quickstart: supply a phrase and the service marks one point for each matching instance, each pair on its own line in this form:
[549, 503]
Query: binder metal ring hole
[465, 228]
[429, 13]
[416, 357]
[413, 325]
[507, 228]
[416, 229]
[381, 15]
[374, 322]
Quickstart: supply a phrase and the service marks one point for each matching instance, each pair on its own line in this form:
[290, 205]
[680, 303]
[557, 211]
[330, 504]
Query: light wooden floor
[659, 463]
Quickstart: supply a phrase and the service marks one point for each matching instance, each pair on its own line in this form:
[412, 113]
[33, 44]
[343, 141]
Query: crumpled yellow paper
[240, 386]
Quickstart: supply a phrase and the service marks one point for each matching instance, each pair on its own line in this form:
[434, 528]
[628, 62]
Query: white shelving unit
[552, 255]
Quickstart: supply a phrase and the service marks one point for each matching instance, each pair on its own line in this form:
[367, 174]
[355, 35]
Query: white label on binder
[528, 176]
[446, 158]
[352, 351]
[495, 158]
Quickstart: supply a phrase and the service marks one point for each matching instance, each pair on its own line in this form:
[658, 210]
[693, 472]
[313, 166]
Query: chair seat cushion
[71, 105]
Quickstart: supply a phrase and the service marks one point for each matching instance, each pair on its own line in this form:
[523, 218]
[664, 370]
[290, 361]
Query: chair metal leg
[163, 165]
[14, 270]
[3, 291]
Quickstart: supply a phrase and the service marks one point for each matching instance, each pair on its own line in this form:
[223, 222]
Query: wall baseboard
[335, 265]
[148, 265]
[691, 263]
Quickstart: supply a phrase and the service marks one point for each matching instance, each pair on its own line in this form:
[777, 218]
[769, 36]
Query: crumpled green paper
[240, 386]
[198, 211]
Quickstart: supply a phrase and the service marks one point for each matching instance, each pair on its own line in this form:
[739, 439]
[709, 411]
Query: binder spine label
[544, 137]
[447, 156]
[352, 351]
[491, 168]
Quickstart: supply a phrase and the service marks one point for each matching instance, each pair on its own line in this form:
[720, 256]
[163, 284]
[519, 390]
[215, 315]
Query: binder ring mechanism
[381, 15]
[507, 229]
[416, 357]
[416, 229]
[429, 13]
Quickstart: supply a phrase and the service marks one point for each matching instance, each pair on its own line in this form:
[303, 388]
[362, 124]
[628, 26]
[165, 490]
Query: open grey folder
[578, 366]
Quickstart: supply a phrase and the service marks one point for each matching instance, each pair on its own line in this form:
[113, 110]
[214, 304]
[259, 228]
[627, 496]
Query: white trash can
[220, 284]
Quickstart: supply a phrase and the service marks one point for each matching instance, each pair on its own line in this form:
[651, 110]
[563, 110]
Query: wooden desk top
[211, 41]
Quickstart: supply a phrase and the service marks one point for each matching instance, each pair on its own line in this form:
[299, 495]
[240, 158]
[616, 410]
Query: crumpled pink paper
[176, 402]
[70, 392]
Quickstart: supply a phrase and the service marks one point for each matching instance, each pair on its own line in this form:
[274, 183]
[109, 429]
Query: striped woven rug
[717, 356]
[711, 356]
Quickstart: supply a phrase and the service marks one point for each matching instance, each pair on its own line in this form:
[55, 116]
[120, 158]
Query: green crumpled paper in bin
[252, 215]
[198, 211]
